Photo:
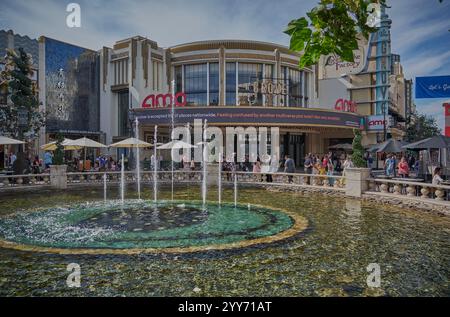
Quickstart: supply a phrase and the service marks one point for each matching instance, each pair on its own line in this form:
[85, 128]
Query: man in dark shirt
[289, 166]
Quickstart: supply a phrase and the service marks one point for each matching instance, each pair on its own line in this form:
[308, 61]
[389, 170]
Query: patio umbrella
[343, 146]
[131, 143]
[85, 143]
[438, 142]
[52, 146]
[391, 146]
[7, 141]
[176, 145]
[435, 142]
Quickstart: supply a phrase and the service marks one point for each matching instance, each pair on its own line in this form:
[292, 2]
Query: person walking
[289, 167]
[403, 168]
[308, 167]
[48, 159]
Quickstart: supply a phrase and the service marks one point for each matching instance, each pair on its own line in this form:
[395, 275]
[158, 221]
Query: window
[195, 84]
[230, 84]
[295, 88]
[123, 113]
[214, 84]
[157, 67]
[248, 74]
[120, 72]
[268, 76]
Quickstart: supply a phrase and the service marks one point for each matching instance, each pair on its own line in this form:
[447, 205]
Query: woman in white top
[437, 179]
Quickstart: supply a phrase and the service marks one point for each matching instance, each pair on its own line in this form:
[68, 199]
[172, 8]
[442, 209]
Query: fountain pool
[145, 227]
[329, 258]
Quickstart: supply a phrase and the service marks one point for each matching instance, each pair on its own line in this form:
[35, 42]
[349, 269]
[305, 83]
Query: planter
[58, 176]
[356, 181]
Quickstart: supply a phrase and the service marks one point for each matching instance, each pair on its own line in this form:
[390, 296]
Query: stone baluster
[425, 191]
[397, 189]
[19, 180]
[384, 188]
[411, 191]
[440, 193]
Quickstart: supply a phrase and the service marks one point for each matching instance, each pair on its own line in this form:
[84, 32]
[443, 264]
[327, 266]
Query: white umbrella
[131, 143]
[7, 141]
[85, 143]
[52, 146]
[176, 145]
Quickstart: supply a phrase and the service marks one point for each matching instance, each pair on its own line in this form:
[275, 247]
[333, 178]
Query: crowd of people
[329, 164]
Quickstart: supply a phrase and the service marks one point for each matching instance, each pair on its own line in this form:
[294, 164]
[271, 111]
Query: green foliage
[421, 127]
[332, 27]
[15, 79]
[358, 150]
[58, 158]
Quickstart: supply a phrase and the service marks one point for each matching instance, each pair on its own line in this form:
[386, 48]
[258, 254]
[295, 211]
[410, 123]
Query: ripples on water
[329, 259]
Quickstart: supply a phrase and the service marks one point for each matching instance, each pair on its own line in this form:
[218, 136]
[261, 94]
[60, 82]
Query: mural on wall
[72, 87]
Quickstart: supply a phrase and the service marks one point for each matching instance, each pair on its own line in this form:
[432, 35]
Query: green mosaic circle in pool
[145, 225]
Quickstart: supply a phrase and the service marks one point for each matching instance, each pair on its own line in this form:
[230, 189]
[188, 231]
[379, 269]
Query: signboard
[346, 105]
[447, 119]
[433, 87]
[249, 116]
[248, 92]
[164, 100]
[376, 123]
[334, 67]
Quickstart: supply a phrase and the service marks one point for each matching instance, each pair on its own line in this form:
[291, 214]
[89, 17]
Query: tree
[15, 78]
[332, 27]
[58, 158]
[421, 127]
[358, 150]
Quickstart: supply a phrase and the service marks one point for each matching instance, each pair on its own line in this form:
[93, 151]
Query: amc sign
[164, 100]
[346, 105]
[376, 123]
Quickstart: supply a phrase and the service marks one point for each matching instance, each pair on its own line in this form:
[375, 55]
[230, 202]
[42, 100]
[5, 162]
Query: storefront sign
[233, 115]
[265, 87]
[346, 105]
[164, 100]
[334, 67]
[433, 87]
[376, 123]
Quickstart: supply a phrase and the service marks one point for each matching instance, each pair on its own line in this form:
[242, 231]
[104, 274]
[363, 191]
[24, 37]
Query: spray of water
[122, 180]
[219, 180]
[155, 167]
[138, 163]
[205, 159]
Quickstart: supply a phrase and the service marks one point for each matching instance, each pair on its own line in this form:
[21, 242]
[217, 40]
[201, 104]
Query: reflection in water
[330, 258]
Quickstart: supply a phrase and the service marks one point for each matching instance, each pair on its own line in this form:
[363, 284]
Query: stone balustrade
[409, 189]
[13, 181]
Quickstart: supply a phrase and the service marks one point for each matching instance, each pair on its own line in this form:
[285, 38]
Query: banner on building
[433, 87]
[249, 116]
[447, 119]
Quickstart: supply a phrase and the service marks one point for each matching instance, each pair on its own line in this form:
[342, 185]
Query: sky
[420, 28]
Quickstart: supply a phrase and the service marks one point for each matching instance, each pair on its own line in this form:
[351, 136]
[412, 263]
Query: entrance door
[294, 146]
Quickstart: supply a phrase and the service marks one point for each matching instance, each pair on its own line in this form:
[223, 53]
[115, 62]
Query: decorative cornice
[231, 44]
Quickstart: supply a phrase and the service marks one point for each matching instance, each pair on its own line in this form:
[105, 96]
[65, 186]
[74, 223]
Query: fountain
[173, 127]
[155, 166]
[219, 180]
[235, 189]
[205, 163]
[104, 187]
[122, 180]
[138, 167]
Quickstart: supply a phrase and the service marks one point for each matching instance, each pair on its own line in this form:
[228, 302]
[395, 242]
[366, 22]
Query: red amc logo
[373, 123]
[346, 105]
[164, 100]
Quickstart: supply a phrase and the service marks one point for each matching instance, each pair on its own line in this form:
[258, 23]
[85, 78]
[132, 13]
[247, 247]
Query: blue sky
[419, 27]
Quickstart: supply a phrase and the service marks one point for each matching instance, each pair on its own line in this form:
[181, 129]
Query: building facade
[227, 82]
